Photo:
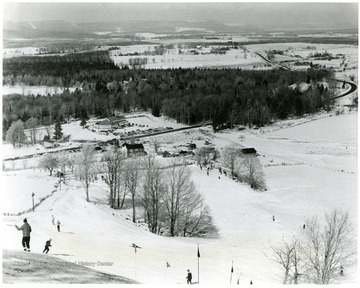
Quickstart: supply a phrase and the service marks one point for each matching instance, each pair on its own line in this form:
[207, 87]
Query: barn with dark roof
[249, 151]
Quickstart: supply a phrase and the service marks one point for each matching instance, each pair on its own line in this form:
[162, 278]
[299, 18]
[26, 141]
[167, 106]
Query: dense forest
[50, 70]
[223, 96]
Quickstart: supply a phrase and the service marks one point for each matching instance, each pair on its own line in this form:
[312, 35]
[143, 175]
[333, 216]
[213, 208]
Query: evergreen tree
[58, 131]
[83, 122]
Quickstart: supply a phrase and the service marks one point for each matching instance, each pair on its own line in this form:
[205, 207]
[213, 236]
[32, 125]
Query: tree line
[223, 96]
[50, 70]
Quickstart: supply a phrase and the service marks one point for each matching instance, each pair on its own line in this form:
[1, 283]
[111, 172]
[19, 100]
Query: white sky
[268, 14]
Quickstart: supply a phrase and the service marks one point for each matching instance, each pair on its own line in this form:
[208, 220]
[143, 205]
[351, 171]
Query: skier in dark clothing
[189, 277]
[58, 225]
[47, 245]
[26, 230]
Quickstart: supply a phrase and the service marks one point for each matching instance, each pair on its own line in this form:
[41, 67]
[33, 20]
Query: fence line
[294, 161]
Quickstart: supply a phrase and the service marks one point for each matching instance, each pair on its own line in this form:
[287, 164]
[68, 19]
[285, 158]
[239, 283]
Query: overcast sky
[332, 15]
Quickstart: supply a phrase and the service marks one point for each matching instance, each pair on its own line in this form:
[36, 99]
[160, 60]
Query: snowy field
[16, 52]
[305, 51]
[310, 167]
[172, 59]
[33, 90]
[237, 58]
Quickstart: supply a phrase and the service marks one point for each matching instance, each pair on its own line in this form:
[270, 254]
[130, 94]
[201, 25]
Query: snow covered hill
[310, 169]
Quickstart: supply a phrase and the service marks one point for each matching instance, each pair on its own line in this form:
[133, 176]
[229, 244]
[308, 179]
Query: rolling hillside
[303, 167]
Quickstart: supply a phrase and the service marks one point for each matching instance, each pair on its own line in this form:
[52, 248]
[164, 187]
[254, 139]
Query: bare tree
[64, 161]
[186, 213]
[71, 162]
[111, 165]
[251, 172]
[49, 130]
[283, 256]
[179, 184]
[133, 175]
[86, 167]
[205, 155]
[153, 194]
[31, 124]
[288, 255]
[195, 219]
[49, 161]
[156, 144]
[230, 158]
[15, 134]
[24, 163]
[298, 261]
[327, 248]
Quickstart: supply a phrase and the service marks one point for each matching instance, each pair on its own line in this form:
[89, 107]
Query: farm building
[117, 121]
[167, 154]
[248, 152]
[133, 149]
[103, 125]
[110, 123]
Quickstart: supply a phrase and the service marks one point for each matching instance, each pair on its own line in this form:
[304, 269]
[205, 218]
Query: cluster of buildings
[109, 124]
[137, 149]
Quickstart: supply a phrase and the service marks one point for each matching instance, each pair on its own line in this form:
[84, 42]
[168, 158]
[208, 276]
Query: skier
[58, 225]
[135, 246]
[189, 277]
[53, 219]
[26, 230]
[47, 245]
[273, 218]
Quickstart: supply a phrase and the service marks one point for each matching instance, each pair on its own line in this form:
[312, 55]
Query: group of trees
[187, 95]
[245, 168]
[63, 71]
[16, 133]
[165, 196]
[320, 252]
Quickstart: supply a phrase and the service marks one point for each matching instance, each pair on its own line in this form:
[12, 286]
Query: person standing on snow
[26, 230]
[47, 245]
[189, 277]
[58, 225]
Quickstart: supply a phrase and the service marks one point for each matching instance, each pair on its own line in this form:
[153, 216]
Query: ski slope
[310, 169]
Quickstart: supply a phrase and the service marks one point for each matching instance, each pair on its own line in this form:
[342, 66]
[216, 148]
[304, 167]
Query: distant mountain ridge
[42, 28]
[67, 29]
